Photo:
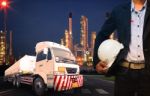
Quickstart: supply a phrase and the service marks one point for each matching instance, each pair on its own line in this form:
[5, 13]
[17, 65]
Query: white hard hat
[108, 51]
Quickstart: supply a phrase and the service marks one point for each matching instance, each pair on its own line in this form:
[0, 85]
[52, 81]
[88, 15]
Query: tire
[39, 86]
[17, 82]
[14, 82]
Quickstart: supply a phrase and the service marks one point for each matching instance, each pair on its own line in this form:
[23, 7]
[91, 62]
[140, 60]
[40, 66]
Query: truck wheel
[14, 82]
[39, 87]
[18, 82]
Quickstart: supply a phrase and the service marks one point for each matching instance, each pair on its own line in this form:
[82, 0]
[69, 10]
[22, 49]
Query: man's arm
[106, 30]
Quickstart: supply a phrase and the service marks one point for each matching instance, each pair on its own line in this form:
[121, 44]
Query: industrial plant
[83, 50]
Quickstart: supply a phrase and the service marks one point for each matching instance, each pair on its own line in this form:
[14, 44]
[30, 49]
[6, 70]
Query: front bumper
[66, 82]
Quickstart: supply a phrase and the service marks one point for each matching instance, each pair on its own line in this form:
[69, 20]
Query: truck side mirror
[45, 51]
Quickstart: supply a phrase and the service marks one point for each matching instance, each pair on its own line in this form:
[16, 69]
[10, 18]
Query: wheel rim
[38, 85]
[17, 83]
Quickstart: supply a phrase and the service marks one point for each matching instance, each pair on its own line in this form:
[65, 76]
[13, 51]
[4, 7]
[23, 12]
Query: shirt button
[138, 45]
[138, 36]
[139, 56]
[138, 25]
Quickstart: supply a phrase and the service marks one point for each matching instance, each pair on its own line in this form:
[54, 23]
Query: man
[132, 65]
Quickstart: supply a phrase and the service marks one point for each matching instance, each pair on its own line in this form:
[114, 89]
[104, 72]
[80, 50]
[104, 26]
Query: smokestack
[70, 15]
[84, 32]
[10, 49]
[11, 57]
[70, 23]
[70, 40]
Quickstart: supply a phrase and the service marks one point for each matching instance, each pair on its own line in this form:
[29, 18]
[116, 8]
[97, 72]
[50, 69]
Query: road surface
[94, 85]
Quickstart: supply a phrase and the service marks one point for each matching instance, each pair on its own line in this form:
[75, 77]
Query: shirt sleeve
[108, 27]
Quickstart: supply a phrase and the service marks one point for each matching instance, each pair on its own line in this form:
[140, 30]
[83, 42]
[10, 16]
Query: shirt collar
[133, 7]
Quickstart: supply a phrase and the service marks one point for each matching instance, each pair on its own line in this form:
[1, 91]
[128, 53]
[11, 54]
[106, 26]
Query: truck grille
[71, 70]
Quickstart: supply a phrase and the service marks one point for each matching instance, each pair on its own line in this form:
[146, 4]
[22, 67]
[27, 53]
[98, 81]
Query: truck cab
[56, 63]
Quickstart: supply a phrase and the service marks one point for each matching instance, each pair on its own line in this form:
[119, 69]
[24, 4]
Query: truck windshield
[63, 55]
[40, 56]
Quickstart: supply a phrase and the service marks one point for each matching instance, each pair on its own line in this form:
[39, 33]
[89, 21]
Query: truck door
[40, 61]
[44, 62]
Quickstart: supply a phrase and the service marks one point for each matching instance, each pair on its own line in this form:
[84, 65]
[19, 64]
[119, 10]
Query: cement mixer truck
[54, 67]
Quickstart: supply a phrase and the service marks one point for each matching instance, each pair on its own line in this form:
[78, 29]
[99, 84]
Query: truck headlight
[61, 69]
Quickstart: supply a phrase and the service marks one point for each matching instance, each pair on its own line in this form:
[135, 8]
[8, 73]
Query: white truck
[54, 66]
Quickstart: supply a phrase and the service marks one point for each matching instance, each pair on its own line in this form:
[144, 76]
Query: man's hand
[101, 67]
